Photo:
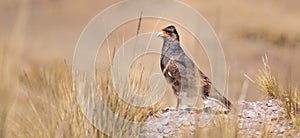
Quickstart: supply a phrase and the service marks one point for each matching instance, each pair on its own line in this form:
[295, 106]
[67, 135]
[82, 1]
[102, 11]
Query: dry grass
[268, 82]
[45, 105]
[51, 108]
[273, 88]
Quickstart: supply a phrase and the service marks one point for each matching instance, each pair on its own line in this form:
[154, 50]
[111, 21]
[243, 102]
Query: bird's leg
[178, 103]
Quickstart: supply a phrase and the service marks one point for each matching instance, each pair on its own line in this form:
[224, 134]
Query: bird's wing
[181, 72]
[172, 71]
[187, 75]
[190, 71]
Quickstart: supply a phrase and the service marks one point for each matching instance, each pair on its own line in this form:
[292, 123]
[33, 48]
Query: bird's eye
[169, 32]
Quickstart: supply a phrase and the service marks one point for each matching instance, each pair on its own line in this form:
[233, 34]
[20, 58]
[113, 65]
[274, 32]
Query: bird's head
[169, 33]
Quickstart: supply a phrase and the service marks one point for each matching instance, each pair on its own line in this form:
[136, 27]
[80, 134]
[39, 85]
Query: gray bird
[181, 72]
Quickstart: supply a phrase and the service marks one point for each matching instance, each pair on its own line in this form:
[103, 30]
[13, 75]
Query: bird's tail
[218, 96]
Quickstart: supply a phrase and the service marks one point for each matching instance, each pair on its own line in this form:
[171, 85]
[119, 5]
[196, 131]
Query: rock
[252, 117]
[269, 104]
[165, 122]
[160, 128]
[167, 130]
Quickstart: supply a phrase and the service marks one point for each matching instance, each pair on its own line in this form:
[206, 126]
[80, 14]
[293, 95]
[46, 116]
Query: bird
[181, 72]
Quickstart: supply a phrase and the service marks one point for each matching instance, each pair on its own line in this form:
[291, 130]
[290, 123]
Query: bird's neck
[171, 48]
[171, 44]
[171, 41]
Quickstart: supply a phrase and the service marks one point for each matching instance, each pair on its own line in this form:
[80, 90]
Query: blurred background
[40, 32]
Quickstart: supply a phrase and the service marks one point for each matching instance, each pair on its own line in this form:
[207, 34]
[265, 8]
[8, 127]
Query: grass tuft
[50, 109]
[270, 84]
[267, 82]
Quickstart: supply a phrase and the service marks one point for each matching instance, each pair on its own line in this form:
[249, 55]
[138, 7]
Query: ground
[253, 120]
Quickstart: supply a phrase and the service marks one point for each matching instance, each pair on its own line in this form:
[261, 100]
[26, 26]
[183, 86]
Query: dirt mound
[254, 119]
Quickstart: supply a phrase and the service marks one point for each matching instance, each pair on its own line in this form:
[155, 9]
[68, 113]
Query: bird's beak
[160, 34]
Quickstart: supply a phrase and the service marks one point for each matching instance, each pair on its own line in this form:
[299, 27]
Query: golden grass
[273, 88]
[267, 81]
[270, 84]
[45, 105]
[51, 108]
